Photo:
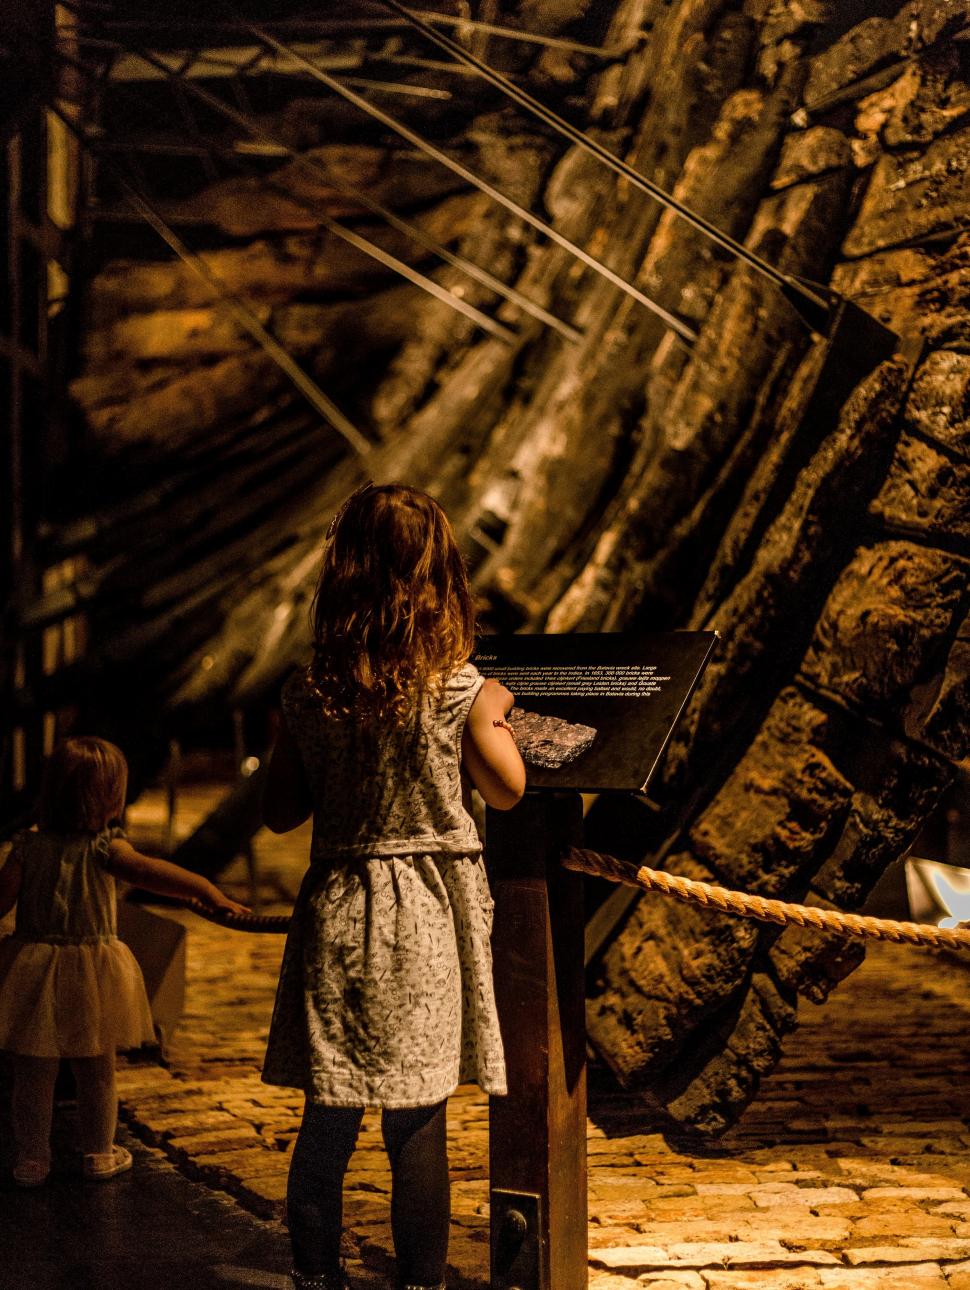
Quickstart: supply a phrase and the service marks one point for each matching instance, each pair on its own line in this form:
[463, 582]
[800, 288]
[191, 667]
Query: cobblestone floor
[850, 1172]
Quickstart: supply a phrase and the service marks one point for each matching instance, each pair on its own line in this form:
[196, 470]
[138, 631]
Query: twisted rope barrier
[742, 905]
[690, 892]
[239, 922]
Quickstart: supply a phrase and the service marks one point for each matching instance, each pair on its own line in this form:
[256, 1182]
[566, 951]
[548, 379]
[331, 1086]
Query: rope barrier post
[537, 1133]
[160, 947]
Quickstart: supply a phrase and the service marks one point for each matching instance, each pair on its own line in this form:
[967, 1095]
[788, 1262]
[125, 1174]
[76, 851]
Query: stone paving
[850, 1172]
[150, 1229]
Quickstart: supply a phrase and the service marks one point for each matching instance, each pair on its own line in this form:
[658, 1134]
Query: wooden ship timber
[631, 422]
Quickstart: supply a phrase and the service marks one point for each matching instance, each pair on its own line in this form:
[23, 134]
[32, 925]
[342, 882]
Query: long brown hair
[393, 612]
[83, 786]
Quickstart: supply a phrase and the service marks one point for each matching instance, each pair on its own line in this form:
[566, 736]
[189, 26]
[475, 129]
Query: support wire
[239, 310]
[815, 300]
[404, 226]
[410, 230]
[512, 33]
[355, 239]
[682, 329]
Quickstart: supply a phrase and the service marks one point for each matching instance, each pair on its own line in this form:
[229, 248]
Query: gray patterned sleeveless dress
[385, 995]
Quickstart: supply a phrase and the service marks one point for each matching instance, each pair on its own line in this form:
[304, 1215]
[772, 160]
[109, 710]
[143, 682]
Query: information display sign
[594, 710]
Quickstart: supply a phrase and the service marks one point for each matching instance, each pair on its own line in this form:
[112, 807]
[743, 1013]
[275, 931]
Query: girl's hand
[165, 878]
[490, 755]
[218, 900]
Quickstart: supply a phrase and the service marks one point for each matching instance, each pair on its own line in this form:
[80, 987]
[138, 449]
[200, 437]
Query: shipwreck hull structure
[794, 476]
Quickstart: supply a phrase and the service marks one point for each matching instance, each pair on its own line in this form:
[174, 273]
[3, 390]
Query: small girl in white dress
[385, 995]
[68, 986]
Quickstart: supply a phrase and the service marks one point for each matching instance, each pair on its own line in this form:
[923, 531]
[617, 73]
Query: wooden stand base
[537, 1134]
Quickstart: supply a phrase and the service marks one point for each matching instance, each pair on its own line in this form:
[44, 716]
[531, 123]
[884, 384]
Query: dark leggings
[417, 1148]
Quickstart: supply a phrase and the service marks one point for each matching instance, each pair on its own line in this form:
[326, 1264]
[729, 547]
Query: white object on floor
[938, 893]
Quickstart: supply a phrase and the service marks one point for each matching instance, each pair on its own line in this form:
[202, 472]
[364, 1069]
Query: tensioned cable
[511, 33]
[686, 332]
[369, 248]
[468, 267]
[681, 329]
[402, 225]
[791, 286]
[410, 230]
[240, 311]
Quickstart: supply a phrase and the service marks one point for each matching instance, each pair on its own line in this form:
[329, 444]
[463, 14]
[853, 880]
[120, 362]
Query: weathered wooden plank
[773, 609]
[537, 1133]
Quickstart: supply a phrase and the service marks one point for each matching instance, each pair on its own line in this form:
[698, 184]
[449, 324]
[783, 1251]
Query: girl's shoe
[322, 1281]
[30, 1173]
[105, 1164]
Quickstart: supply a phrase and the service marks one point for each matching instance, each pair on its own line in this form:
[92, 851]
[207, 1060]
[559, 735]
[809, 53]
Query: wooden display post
[537, 1133]
[594, 712]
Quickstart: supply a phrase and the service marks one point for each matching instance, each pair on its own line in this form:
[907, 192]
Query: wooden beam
[178, 146]
[537, 1133]
[256, 60]
[215, 63]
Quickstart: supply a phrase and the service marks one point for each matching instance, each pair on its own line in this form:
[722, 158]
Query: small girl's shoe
[30, 1173]
[105, 1164]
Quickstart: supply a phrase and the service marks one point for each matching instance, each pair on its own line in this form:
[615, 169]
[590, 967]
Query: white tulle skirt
[70, 1000]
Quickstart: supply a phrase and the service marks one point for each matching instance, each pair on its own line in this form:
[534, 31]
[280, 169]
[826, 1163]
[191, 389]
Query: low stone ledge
[203, 1144]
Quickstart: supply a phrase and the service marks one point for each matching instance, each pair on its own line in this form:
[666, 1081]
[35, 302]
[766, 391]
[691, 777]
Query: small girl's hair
[83, 786]
[393, 612]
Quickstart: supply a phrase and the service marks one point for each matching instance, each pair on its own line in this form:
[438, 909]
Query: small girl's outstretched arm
[286, 797]
[166, 879]
[488, 752]
[11, 876]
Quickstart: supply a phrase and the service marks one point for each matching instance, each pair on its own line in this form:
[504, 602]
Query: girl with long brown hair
[385, 996]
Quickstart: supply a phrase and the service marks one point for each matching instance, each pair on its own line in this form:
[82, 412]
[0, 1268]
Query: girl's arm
[489, 752]
[11, 876]
[286, 797]
[164, 878]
